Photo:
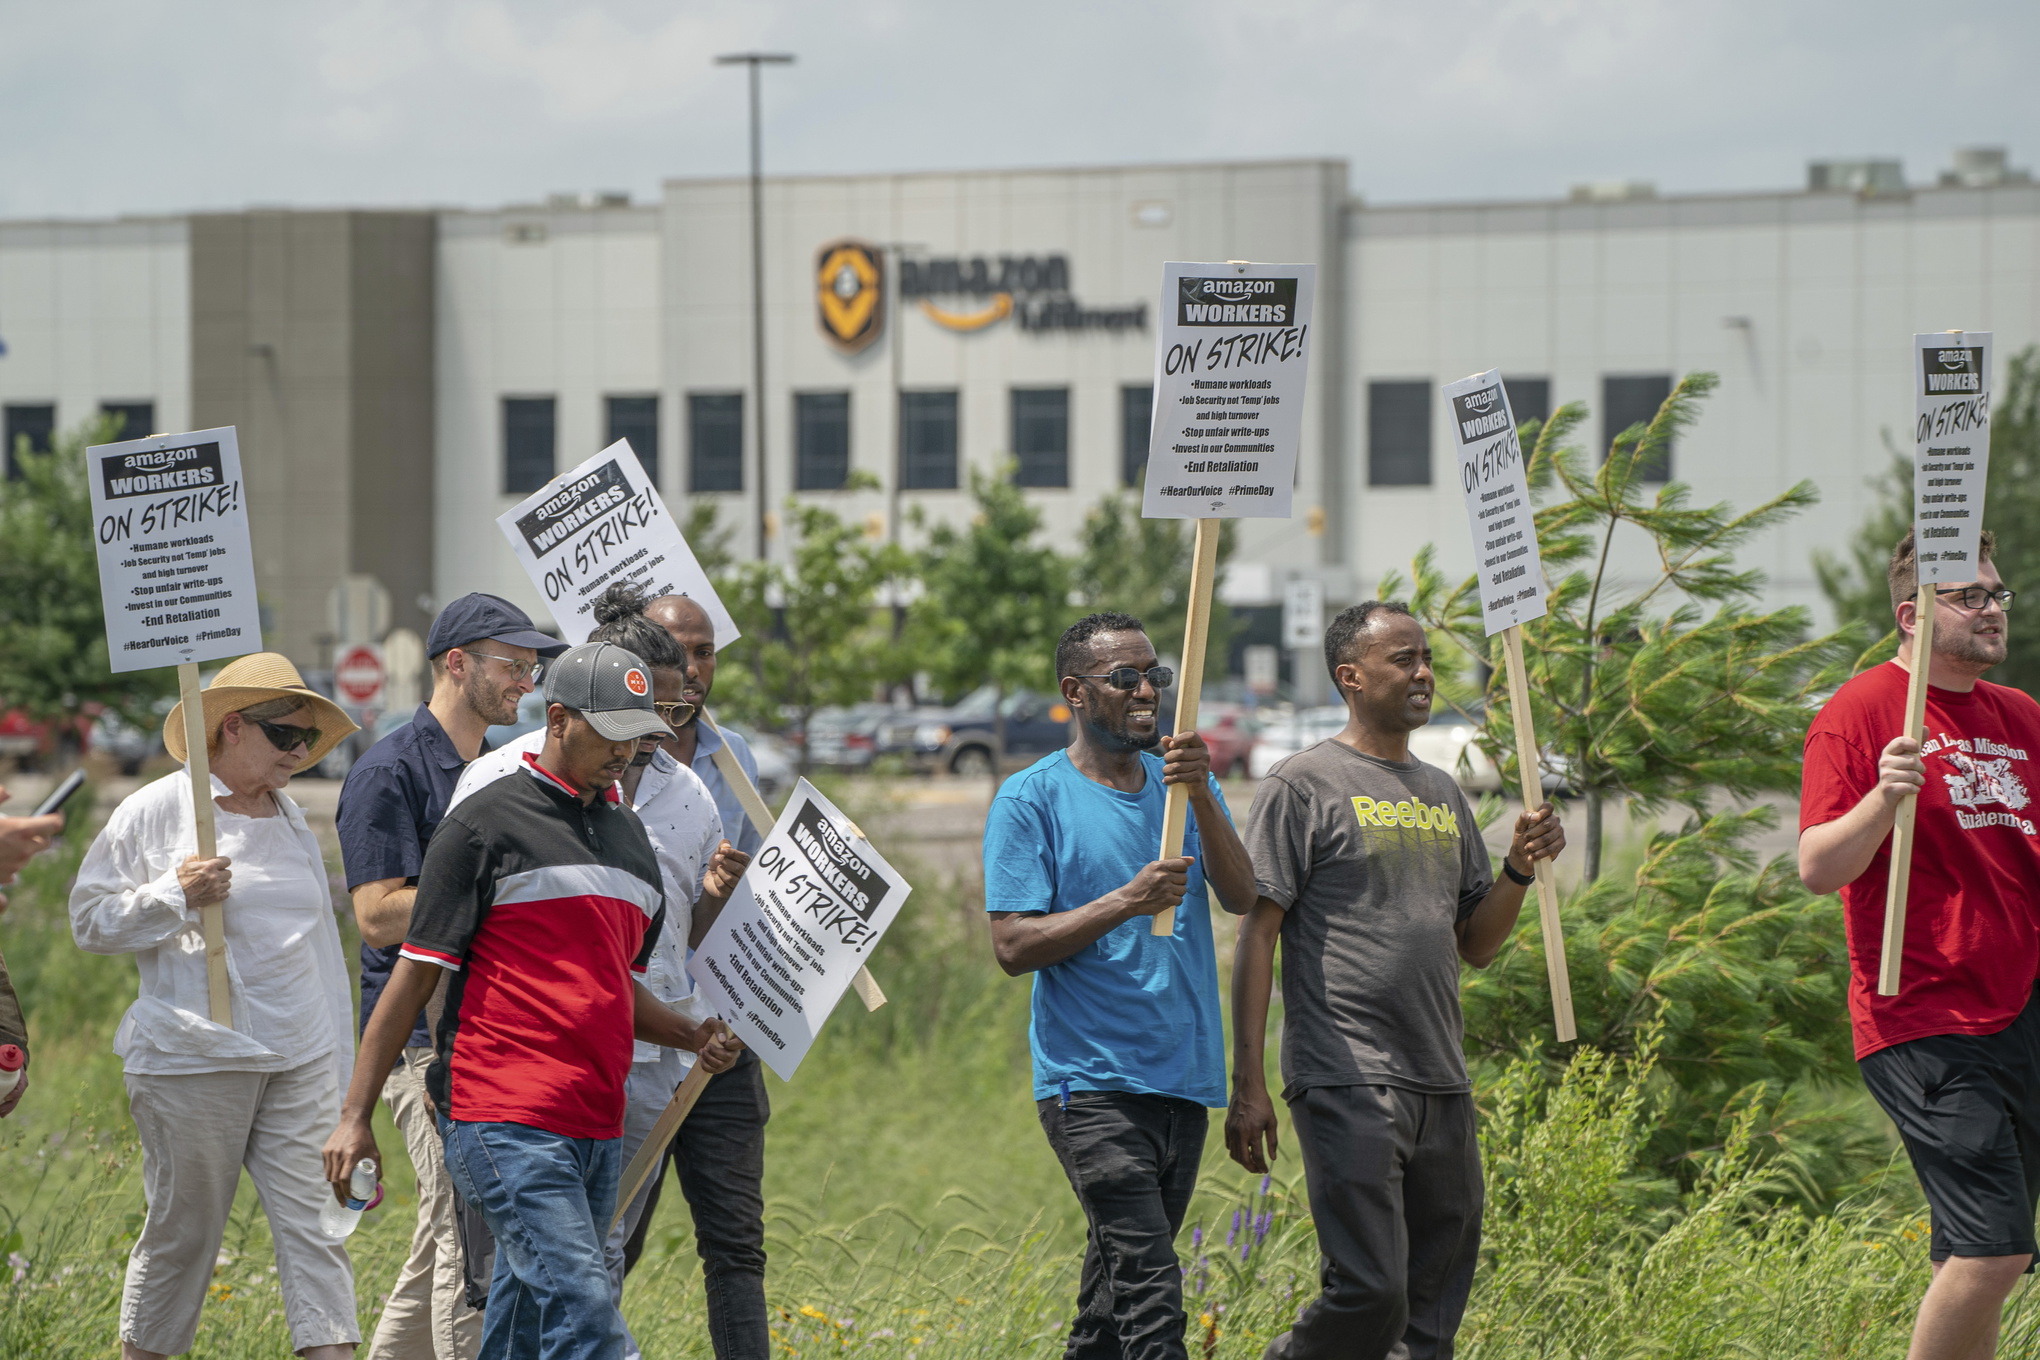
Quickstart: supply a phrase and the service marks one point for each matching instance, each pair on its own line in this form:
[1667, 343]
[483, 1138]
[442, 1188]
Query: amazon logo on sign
[1033, 289]
[850, 293]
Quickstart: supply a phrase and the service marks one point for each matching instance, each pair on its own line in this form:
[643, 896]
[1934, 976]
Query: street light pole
[754, 60]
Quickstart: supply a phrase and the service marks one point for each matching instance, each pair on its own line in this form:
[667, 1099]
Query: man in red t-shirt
[1954, 1058]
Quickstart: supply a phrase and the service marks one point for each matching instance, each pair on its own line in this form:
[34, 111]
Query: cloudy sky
[112, 106]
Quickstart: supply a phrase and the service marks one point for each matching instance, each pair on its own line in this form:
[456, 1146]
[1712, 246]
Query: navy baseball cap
[610, 687]
[478, 618]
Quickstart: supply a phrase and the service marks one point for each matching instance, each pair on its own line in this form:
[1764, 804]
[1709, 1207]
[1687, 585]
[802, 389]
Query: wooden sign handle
[1189, 689]
[1533, 789]
[761, 817]
[212, 919]
[1907, 820]
[654, 1147]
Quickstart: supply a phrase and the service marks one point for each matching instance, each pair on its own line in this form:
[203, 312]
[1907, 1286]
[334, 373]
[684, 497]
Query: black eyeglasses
[1976, 598]
[286, 738]
[1129, 677]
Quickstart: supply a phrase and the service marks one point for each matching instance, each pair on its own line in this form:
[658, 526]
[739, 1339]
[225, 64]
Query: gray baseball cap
[608, 686]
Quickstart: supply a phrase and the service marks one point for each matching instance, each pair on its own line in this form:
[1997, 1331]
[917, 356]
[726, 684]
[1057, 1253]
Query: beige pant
[427, 1317]
[197, 1133]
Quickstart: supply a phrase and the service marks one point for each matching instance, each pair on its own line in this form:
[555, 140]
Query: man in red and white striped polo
[541, 895]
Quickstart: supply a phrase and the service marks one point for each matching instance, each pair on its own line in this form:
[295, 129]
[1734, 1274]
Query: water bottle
[13, 1069]
[339, 1221]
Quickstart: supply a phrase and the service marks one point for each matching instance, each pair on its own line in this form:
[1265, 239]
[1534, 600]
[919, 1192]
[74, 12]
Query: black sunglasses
[286, 738]
[1129, 677]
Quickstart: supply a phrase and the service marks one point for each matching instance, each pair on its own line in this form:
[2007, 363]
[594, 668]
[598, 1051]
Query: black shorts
[1968, 1107]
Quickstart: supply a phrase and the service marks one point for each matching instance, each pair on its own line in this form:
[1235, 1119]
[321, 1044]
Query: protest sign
[815, 901]
[1230, 362]
[601, 523]
[176, 572]
[1495, 481]
[1951, 458]
[177, 585]
[1509, 576]
[1223, 437]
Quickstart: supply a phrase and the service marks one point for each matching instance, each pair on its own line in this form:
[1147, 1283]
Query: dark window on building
[715, 441]
[527, 443]
[1136, 409]
[821, 440]
[1529, 399]
[928, 441]
[637, 419]
[1041, 436]
[1634, 400]
[37, 424]
[1399, 433]
[131, 419]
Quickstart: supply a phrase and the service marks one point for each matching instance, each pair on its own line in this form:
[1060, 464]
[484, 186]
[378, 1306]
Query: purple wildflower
[1245, 1249]
[1266, 1181]
[1197, 1236]
[1234, 1234]
[1262, 1222]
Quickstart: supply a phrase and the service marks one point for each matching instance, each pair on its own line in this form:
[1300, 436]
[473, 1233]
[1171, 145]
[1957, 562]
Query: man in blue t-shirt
[1129, 1048]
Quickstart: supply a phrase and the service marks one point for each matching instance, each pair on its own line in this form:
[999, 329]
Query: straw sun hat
[256, 679]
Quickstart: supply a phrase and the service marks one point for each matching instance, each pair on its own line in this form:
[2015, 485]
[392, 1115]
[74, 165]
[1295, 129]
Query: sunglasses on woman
[287, 738]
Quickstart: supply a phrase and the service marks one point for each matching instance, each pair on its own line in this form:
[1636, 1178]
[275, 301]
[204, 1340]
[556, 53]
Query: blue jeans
[548, 1200]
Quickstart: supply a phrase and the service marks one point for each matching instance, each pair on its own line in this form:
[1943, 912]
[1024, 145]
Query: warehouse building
[401, 377]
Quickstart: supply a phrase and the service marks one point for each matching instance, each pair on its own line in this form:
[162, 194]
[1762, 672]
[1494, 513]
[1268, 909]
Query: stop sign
[358, 674]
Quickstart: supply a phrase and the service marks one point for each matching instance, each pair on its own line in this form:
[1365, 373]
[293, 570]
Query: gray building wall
[312, 333]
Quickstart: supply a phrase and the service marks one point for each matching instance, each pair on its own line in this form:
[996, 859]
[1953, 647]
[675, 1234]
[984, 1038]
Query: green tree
[1638, 695]
[52, 631]
[1854, 582]
[710, 540]
[812, 635]
[1666, 691]
[994, 599]
[1142, 567]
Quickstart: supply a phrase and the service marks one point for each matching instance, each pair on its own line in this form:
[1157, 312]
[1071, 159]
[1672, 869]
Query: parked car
[1440, 742]
[128, 746]
[1229, 733]
[846, 738]
[777, 768]
[963, 738]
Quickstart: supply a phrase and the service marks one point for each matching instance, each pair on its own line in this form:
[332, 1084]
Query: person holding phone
[21, 839]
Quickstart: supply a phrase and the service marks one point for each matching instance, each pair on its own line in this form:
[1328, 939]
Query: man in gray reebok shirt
[1370, 869]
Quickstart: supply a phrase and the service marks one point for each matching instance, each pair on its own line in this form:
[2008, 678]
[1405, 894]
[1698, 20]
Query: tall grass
[915, 1210]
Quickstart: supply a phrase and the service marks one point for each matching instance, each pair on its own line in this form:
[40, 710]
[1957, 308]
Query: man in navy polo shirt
[540, 898]
[485, 656]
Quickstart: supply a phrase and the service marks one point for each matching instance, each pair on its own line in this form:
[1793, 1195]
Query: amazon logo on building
[1032, 289]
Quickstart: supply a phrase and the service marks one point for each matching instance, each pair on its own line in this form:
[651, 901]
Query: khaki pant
[197, 1132]
[427, 1317]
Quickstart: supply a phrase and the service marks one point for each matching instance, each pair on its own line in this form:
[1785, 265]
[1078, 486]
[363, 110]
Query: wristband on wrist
[1520, 880]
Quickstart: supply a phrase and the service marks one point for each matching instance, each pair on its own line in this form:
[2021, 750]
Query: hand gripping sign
[602, 523]
[1951, 457]
[177, 582]
[1230, 364]
[1509, 574]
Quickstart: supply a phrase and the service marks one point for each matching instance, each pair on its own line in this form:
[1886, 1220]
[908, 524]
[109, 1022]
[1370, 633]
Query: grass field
[917, 1211]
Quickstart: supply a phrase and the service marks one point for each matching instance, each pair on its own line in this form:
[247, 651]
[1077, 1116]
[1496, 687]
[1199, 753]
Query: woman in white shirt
[209, 1099]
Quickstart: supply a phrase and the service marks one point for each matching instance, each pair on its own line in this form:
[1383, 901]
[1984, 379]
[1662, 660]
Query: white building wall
[1286, 211]
[1831, 288]
[559, 303]
[95, 312]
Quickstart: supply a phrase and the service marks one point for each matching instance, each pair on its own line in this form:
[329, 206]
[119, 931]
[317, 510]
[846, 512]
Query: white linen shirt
[281, 938]
[680, 817]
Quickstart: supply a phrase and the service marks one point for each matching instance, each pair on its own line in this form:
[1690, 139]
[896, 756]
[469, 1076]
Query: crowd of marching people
[526, 1014]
